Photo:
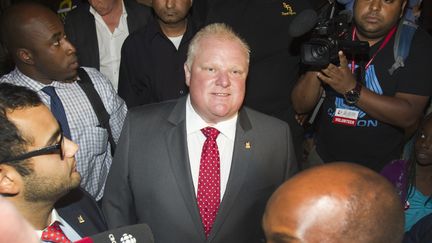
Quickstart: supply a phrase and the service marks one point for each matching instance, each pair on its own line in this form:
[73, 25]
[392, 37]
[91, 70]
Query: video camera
[328, 36]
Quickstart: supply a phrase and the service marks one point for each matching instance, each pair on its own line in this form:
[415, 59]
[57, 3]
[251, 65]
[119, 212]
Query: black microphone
[302, 23]
[138, 233]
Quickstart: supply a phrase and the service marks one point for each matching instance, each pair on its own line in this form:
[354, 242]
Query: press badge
[345, 117]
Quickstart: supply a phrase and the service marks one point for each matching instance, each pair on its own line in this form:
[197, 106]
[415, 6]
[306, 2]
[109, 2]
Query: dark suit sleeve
[117, 203]
[134, 85]
[291, 156]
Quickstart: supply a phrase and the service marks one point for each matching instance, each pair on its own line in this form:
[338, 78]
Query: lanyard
[383, 44]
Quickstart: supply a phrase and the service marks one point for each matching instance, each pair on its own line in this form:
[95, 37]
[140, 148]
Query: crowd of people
[188, 116]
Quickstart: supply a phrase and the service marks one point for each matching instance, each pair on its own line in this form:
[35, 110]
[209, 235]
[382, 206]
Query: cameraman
[364, 121]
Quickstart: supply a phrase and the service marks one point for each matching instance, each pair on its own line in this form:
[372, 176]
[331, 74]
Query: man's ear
[187, 74]
[25, 56]
[10, 180]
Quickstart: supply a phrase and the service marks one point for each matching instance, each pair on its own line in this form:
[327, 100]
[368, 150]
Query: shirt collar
[96, 14]
[195, 123]
[36, 85]
[54, 217]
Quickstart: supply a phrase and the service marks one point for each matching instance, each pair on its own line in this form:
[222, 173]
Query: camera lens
[319, 52]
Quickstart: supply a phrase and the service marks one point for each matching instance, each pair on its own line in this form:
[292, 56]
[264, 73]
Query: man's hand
[339, 78]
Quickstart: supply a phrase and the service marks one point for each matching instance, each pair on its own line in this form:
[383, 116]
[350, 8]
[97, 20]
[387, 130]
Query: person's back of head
[336, 202]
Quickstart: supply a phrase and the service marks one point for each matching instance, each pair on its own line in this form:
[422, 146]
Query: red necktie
[208, 195]
[54, 234]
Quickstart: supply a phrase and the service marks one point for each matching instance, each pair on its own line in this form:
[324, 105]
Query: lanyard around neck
[383, 44]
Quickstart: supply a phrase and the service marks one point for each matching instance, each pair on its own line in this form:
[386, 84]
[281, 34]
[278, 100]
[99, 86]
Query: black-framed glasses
[52, 149]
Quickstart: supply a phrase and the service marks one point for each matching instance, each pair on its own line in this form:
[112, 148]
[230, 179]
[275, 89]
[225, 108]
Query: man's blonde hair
[216, 30]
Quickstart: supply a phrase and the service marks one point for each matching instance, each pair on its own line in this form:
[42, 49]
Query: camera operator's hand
[339, 78]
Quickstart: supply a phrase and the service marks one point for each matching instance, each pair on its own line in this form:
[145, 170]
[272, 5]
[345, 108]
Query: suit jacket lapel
[132, 21]
[81, 213]
[238, 171]
[89, 30]
[176, 140]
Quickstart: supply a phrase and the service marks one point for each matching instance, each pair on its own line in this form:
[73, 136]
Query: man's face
[171, 11]
[51, 177]
[374, 18]
[217, 78]
[52, 54]
[103, 7]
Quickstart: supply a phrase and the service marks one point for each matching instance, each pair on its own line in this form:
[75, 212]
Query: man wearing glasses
[38, 169]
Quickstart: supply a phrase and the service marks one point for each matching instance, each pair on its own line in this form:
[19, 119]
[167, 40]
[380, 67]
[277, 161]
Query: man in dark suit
[200, 169]
[38, 168]
[274, 62]
[98, 29]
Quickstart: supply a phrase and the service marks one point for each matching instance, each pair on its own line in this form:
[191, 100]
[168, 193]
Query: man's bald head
[336, 202]
[17, 21]
[34, 36]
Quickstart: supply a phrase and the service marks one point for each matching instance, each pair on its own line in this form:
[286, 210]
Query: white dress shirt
[70, 233]
[176, 41]
[110, 44]
[196, 139]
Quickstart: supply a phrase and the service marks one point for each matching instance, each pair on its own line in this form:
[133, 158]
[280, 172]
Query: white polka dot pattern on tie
[208, 195]
[53, 233]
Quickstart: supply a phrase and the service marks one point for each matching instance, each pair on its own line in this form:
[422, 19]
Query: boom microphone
[302, 23]
[138, 233]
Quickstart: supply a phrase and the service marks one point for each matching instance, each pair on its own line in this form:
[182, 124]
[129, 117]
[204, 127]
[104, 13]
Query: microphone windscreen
[303, 22]
[137, 233]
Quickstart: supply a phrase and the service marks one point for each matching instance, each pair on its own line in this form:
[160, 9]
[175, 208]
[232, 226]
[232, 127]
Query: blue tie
[58, 110]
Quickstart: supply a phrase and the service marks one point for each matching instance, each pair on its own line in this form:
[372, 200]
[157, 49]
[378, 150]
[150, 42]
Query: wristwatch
[352, 96]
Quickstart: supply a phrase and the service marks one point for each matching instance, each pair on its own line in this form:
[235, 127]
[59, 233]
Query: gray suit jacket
[150, 179]
[80, 28]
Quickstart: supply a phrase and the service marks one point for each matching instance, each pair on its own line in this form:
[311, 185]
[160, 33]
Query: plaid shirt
[94, 155]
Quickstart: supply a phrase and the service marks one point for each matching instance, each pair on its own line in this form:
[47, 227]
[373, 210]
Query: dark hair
[12, 142]
[412, 162]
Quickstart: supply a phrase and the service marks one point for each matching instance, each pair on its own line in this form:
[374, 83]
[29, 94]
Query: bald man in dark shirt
[336, 202]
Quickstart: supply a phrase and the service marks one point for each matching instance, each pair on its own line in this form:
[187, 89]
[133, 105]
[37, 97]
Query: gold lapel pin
[81, 219]
[247, 145]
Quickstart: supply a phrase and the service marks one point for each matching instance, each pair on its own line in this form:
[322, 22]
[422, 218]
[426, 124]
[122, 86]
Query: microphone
[138, 233]
[302, 23]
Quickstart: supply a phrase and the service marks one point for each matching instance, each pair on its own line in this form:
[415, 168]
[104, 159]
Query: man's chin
[73, 76]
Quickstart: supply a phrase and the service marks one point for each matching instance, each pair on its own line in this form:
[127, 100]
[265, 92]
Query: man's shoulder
[80, 210]
[260, 118]
[78, 14]
[15, 77]
[7, 78]
[162, 109]
[422, 42]
[97, 77]
[142, 35]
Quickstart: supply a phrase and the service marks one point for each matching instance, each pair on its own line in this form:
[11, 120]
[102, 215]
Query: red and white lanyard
[383, 44]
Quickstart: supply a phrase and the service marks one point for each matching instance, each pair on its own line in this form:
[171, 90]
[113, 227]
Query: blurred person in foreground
[333, 203]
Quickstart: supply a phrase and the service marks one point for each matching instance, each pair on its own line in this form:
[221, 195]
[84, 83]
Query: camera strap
[383, 44]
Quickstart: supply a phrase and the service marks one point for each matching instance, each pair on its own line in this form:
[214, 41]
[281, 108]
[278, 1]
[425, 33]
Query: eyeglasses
[53, 149]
